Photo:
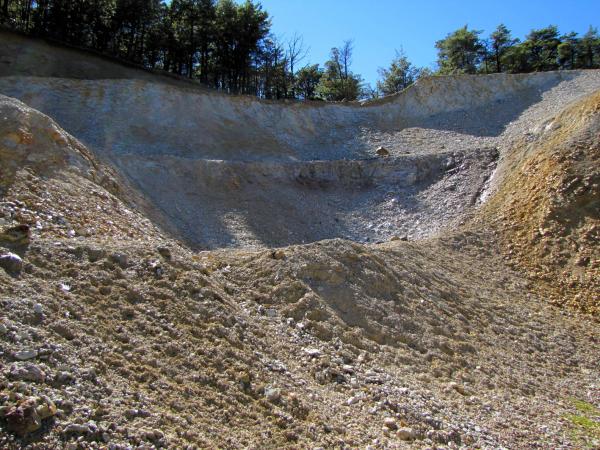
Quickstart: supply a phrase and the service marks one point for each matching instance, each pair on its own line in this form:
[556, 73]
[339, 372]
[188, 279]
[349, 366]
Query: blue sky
[378, 27]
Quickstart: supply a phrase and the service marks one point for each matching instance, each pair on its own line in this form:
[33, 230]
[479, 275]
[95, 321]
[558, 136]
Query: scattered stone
[121, 259]
[272, 394]
[23, 418]
[390, 423]
[406, 434]
[278, 254]
[165, 252]
[27, 372]
[17, 235]
[11, 263]
[312, 352]
[38, 309]
[383, 152]
[24, 355]
[76, 429]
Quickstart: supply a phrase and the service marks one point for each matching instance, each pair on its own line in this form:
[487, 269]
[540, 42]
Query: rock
[23, 418]
[383, 152]
[406, 434]
[38, 309]
[312, 352]
[278, 254]
[11, 263]
[121, 259]
[18, 235]
[63, 329]
[352, 401]
[165, 252]
[24, 355]
[46, 409]
[63, 378]
[390, 423]
[27, 372]
[95, 254]
[76, 429]
[272, 394]
[346, 368]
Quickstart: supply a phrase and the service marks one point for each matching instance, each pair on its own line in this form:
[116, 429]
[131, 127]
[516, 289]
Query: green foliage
[338, 83]
[459, 52]
[307, 80]
[398, 76]
[586, 423]
[228, 45]
[501, 41]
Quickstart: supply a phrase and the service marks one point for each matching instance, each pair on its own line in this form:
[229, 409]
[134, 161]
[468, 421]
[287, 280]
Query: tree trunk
[5, 11]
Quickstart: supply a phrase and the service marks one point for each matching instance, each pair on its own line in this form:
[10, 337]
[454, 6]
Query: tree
[588, 50]
[398, 76]
[567, 51]
[338, 82]
[295, 54]
[459, 52]
[307, 80]
[542, 49]
[500, 42]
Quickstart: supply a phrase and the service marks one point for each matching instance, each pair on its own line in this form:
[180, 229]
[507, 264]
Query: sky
[379, 27]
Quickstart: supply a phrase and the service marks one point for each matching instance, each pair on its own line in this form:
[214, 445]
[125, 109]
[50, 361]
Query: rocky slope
[116, 334]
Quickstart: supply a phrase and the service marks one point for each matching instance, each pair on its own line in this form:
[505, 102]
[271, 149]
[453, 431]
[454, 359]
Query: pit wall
[135, 116]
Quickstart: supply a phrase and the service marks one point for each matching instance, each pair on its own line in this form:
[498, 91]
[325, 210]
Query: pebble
[11, 263]
[405, 434]
[75, 428]
[312, 352]
[38, 308]
[390, 423]
[27, 372]
[352, 401]
[272, 394]
[24, 355]
[120, 259]
[165, 252]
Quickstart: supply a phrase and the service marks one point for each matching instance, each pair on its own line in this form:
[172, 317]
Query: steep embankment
[547, 210]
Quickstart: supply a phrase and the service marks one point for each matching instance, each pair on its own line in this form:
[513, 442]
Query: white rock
[11, 262]
[24, 355]
[312, 352]
[272, 394]
[390, 423]
[405, 434]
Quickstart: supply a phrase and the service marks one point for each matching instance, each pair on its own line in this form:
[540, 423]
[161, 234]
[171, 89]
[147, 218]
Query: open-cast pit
[235, 171]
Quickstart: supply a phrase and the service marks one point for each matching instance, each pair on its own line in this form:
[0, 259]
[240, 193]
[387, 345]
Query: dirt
[475, 325]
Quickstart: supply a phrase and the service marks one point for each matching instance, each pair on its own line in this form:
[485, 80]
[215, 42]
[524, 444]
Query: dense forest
[229, 46]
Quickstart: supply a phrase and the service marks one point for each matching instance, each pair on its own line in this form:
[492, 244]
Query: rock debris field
[181, 268]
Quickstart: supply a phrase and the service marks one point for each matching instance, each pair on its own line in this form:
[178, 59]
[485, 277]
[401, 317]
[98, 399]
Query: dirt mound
[549, 206]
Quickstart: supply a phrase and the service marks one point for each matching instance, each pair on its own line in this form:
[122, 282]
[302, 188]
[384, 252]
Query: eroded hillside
[116, 332]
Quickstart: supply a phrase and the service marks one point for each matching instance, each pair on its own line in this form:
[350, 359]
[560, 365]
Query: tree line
[229, 46]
